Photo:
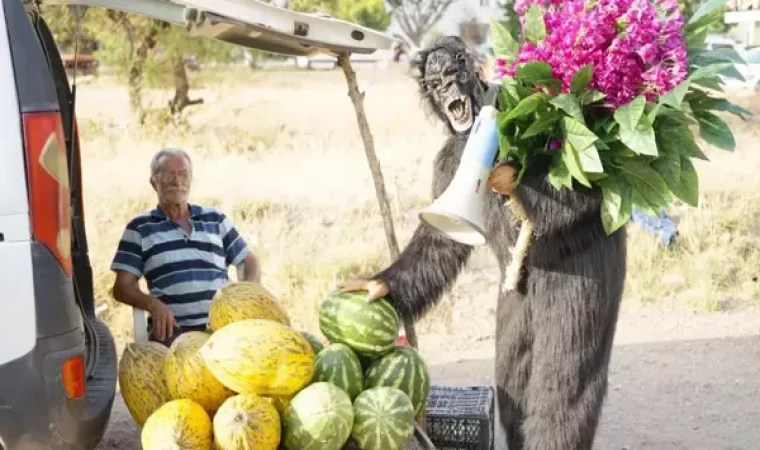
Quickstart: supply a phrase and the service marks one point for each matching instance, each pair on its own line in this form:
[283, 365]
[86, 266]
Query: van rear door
[254, 24]
[17, 311]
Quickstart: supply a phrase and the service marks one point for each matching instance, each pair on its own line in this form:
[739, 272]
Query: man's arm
[128, 265]
[249, 269]
[238, 253]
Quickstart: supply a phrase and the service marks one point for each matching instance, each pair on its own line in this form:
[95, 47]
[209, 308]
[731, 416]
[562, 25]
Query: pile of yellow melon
[222, 389]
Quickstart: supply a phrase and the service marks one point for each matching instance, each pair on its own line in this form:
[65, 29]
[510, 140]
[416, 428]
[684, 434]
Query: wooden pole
[357, 98]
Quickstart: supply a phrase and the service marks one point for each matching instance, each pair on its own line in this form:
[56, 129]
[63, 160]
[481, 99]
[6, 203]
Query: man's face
[172, 181]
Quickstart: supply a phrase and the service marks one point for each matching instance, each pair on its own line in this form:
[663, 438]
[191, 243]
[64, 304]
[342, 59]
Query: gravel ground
[678, 381]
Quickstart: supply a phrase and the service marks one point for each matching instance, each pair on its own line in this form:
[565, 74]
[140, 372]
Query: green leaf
[568, 103]
[711, 70]
[535, 27]
[504, 45]
[628, 115]
[647, 182]
[572, 161]
[591, 96]
[688, 185]
[581, 79]
[590, 161]
[707, 103]
[706, 8]
[640, 139]
[526, 106]
[696, 41]
[715, 131]
[577, 134]
[642, 204]
[675, 96]
[705, 57]
[616, 203]
[677, 137]
[538, 73]
[713, 83]
[542, 124]
[669, 166]
[559, 175]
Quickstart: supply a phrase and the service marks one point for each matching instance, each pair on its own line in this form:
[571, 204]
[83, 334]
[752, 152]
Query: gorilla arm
[552, 212]
[430, 263]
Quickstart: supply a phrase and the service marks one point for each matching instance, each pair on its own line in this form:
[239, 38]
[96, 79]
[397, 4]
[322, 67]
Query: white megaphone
[458, 212]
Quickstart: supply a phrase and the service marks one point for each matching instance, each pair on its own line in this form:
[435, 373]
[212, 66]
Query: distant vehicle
[58, 361]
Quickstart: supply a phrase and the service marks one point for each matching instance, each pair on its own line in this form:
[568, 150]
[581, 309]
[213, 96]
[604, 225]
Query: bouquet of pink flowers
[607, 91]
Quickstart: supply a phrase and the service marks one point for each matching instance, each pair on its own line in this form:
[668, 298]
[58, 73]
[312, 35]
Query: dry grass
[281, 153]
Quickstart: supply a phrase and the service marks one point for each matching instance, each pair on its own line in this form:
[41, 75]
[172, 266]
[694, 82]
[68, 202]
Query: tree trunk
[377, 175]
[181, 98]
[134, 83]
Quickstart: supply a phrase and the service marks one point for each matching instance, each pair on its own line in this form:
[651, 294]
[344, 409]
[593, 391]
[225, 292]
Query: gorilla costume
[554, 333]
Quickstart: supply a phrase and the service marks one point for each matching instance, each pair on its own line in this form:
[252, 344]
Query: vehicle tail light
[49, 190]
[72, 376]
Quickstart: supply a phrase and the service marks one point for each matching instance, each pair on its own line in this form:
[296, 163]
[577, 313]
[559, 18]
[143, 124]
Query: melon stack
[252, 381]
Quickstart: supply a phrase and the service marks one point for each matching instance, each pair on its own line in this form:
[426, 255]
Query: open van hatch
[253, 24]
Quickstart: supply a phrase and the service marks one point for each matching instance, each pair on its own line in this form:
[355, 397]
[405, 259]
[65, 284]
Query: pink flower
[632, 47]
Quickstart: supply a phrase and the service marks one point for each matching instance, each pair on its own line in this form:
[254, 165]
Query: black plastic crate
[460, 418]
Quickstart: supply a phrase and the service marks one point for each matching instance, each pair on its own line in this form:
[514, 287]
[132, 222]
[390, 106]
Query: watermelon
[369, 328]
[383, 419]
[316, 344]
[405, 369]
[319, 417]
[337, 364]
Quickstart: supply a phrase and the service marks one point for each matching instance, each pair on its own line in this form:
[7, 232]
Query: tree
[141, 50]
[369, 13]
[417, 17]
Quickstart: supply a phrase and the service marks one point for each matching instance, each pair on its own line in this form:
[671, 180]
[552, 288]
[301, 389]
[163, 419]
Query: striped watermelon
[337, 364]
[405, 369]
[319, 417]
[368, 328]
[316, 343]
[383, 419]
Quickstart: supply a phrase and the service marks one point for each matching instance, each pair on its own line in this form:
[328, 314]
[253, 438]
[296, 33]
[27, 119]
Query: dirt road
[678, 381]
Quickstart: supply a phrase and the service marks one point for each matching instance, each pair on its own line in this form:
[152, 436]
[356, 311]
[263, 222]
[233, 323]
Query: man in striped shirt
[183, 251]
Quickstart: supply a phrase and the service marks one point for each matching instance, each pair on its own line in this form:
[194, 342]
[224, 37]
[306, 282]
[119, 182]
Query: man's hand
[503, 178]
[163, 320]
[375, 288]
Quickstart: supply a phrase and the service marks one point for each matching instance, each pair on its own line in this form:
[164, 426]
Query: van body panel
[17, 309]
[35, 411]
[56, 304]
[36, 414]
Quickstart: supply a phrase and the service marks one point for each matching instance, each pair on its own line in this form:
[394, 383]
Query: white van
[58, 363]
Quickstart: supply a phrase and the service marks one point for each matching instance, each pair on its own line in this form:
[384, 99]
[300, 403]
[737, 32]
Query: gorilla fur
[554, 333]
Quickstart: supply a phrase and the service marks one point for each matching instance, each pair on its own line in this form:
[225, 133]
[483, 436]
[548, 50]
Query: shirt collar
[195, 211]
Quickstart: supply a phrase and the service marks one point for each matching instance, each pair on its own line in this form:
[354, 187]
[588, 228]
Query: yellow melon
[187, 375]
[179, 424]
[247, 422]
[280, 403]
[141, 379]
[244, 300]
[259, 357]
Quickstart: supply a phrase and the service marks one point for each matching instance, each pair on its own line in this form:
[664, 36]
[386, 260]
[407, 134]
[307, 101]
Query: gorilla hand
[375, 288]
[503, 178]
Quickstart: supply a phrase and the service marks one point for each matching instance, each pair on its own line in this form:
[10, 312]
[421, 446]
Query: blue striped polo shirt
[184, 271]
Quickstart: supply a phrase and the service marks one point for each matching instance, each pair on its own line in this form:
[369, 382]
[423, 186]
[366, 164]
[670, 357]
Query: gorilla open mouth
[459, 112]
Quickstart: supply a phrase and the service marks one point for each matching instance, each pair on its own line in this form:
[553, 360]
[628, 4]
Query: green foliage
[369, 13]
[640, 154]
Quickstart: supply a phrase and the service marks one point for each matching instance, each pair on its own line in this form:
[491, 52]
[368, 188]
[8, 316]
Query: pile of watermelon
[382, 387]
[254, 381]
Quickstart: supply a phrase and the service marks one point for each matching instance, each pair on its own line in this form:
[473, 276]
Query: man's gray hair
[161, 155]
